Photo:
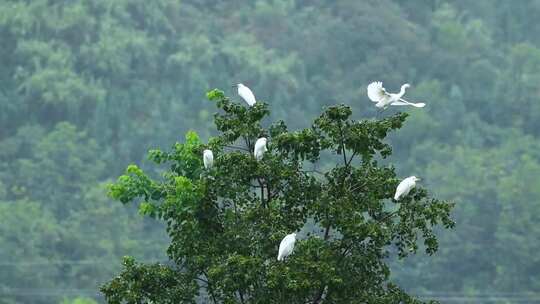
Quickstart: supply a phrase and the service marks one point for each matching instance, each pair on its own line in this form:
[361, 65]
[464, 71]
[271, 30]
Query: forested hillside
[89, 86]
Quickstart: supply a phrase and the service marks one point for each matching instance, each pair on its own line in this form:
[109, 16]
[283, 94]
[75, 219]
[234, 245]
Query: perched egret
[377, 93]
[246, 94]
[286, 246]
[260, 148]
[208, 159]
[405, 187]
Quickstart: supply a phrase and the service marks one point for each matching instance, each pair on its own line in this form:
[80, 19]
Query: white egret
[208, 159]
[405, 186]
[286, 246]
[246, 94]
[377, 93]
[260, 148]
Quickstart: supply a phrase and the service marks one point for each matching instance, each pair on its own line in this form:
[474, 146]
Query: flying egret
[260, 148]
[208, 159]
[286, 246]
[246, 94]
[377, 93]
[405, 186]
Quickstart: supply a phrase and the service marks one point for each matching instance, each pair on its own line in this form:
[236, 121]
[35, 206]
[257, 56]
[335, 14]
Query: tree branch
[248, 144]
[346, 163]
[313, 171]
[344, 254]
[261, 185]
[241, 296]
[237, 148]
[391, 214]
[342, 144]
[351, 159]
[327, 230]
[268, 192]
[357, 187]
[278, 189]
[202, 280]
[209, 288]
[318, 298]
[236, 212]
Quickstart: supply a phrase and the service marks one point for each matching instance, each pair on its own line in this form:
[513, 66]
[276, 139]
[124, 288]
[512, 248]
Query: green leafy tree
[226, 223]
[79, 301]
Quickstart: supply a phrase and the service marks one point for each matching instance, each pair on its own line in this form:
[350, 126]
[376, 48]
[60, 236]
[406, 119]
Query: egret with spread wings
[377, 93]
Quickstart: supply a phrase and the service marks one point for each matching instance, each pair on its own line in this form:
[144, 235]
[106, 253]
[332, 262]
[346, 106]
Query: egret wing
[286, 246]
[376, 91]
[403, 188]
[260, 148]
[247, 95]
[208, 159]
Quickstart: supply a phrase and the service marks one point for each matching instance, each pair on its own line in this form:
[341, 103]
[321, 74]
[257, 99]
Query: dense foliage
[89, 86]
[225, 222]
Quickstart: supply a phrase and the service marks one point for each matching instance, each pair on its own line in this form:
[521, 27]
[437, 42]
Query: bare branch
[348, 163]
[237, 148]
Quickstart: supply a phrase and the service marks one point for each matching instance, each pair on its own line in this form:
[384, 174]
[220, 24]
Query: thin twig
[248, 144]
[342, 144]
[262, 191]
[344, 254]
[241, 296]
[202, 280]
[312, 171]
[278, 190]
[351, 159]
[327, 232]
[209, 287]
[238, 148]
[387, 216]
[358, 187]
[318, 299]
[268, 192]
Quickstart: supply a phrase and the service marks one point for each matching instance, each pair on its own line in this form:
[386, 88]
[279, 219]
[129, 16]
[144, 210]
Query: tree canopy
[225, 222]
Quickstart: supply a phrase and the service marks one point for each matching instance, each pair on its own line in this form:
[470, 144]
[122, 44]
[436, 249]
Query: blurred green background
[88, 86]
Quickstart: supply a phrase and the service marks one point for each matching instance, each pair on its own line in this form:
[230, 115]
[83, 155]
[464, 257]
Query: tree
[79, 301]
[226, 223]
